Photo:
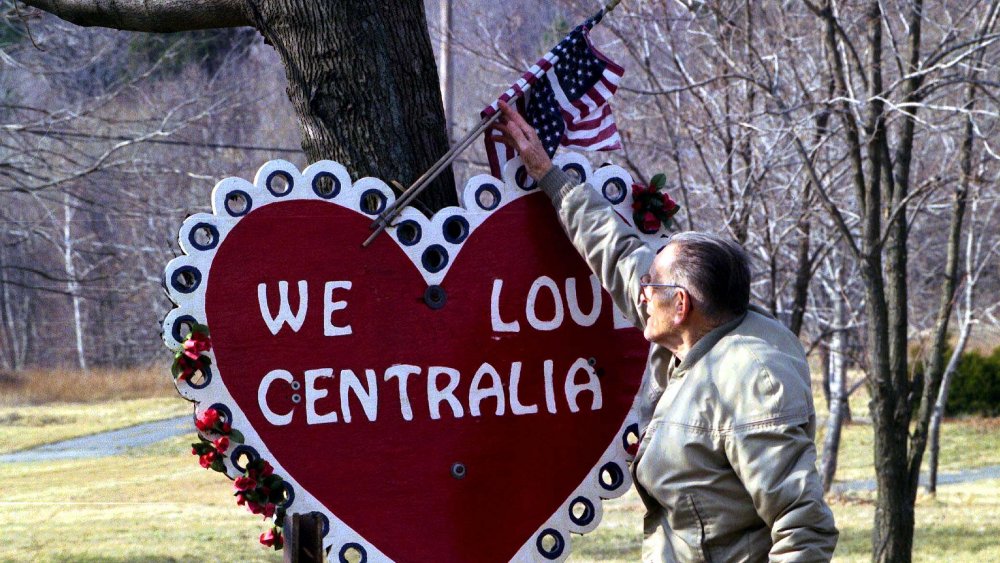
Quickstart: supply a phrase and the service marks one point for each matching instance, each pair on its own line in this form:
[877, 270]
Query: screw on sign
[395, 396]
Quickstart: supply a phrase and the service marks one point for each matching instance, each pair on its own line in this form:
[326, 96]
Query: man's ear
[682, 306]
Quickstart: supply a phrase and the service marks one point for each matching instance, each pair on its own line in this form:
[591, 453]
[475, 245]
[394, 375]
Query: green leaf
[659, 181]
[203, 329]
[236, 436]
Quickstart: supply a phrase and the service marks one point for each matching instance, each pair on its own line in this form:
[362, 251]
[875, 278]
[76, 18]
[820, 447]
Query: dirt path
[106, 443]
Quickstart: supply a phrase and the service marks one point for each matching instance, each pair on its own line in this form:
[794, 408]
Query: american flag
[567, 99]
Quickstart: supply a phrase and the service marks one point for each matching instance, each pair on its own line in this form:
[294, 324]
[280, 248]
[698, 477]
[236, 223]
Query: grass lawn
[159, 505]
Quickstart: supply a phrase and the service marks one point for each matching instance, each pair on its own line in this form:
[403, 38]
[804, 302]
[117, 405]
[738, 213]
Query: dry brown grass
[74, 386]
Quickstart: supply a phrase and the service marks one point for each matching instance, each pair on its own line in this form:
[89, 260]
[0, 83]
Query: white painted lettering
[435, 395]
[550, 394]
[368, 398]
[530, 306]
[574, 303]
[499, 325]
[330, 306]
[572, 388]
[515, 403]
[313, 394]
[274, 323]
[265, 385]
[495, 390]
[403, 373]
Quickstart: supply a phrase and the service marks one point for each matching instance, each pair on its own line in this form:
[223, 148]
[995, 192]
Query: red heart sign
[479, 418]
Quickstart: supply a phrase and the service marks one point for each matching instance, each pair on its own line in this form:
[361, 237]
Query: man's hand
[520, 136]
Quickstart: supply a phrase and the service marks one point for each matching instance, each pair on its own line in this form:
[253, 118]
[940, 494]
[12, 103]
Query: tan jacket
[727, 465]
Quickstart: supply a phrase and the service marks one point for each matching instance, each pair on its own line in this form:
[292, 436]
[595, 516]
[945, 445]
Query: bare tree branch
[148, 15]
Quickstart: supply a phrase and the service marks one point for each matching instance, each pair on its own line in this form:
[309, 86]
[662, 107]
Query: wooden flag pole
[407, 196]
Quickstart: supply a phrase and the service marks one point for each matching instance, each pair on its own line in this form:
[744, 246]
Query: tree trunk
[447, 76]
[364, 86]
[838, 393]
[72, 284]
[934, 433]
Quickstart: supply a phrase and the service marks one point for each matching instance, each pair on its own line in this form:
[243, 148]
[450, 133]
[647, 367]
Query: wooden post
[304, 538]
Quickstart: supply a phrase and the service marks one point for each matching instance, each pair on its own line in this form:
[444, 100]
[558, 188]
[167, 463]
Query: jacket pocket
[688, 531]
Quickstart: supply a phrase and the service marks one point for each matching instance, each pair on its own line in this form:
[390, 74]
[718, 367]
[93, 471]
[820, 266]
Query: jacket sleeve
[777, 464]
[611, 248]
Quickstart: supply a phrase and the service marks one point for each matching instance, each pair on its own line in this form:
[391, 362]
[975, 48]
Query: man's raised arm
[612, 250]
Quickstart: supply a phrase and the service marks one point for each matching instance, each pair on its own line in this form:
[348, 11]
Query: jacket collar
[706, 343]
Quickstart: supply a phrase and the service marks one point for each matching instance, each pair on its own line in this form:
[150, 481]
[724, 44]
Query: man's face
[662, 327]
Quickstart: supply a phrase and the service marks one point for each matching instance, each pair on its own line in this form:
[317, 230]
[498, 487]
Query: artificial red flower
[221, 444]
[207, 419]
[649, 222]
[227, 428]
[240, 499]
[272, 538]
[207, 459]
[198, 342]
[255, 507]
[245, 483]
[266, 470]
[670, 207]
[639, 189]
[269, 510]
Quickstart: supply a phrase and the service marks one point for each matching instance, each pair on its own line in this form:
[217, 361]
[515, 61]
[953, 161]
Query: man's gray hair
[715, 270]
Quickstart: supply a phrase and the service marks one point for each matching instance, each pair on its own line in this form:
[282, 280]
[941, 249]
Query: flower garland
[258, 488]
[651, 206]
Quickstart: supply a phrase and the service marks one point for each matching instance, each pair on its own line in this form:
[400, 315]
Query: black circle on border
[588, 511]
[245, 195]
[418, 232]
[175, 330]
[425, 260]
[227, 415]
[522, 179]
[578, 168]
[240, 450]
[289, 494]
[617, 476]
[342, 556]
[557, 549]
[631, 429]
[458, 470]
[183, 269]
[288, 178]
[326, 523]
[211, 229]
[336, 185]
[381, 201]
[206, 372]
[618, 182]
[435, 297]
[465, 229]
[496, 196]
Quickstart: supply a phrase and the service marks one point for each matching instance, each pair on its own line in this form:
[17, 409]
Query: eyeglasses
[647, 287]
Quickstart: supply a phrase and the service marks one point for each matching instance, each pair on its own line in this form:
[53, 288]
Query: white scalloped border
[613, 182]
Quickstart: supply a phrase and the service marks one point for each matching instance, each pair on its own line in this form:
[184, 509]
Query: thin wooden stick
[383, 220]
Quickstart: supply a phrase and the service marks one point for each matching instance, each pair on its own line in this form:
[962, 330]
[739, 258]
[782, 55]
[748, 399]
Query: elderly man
[726, 465]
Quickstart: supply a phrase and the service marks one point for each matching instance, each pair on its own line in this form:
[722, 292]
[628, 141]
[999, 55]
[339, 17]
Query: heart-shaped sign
[460, 390]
